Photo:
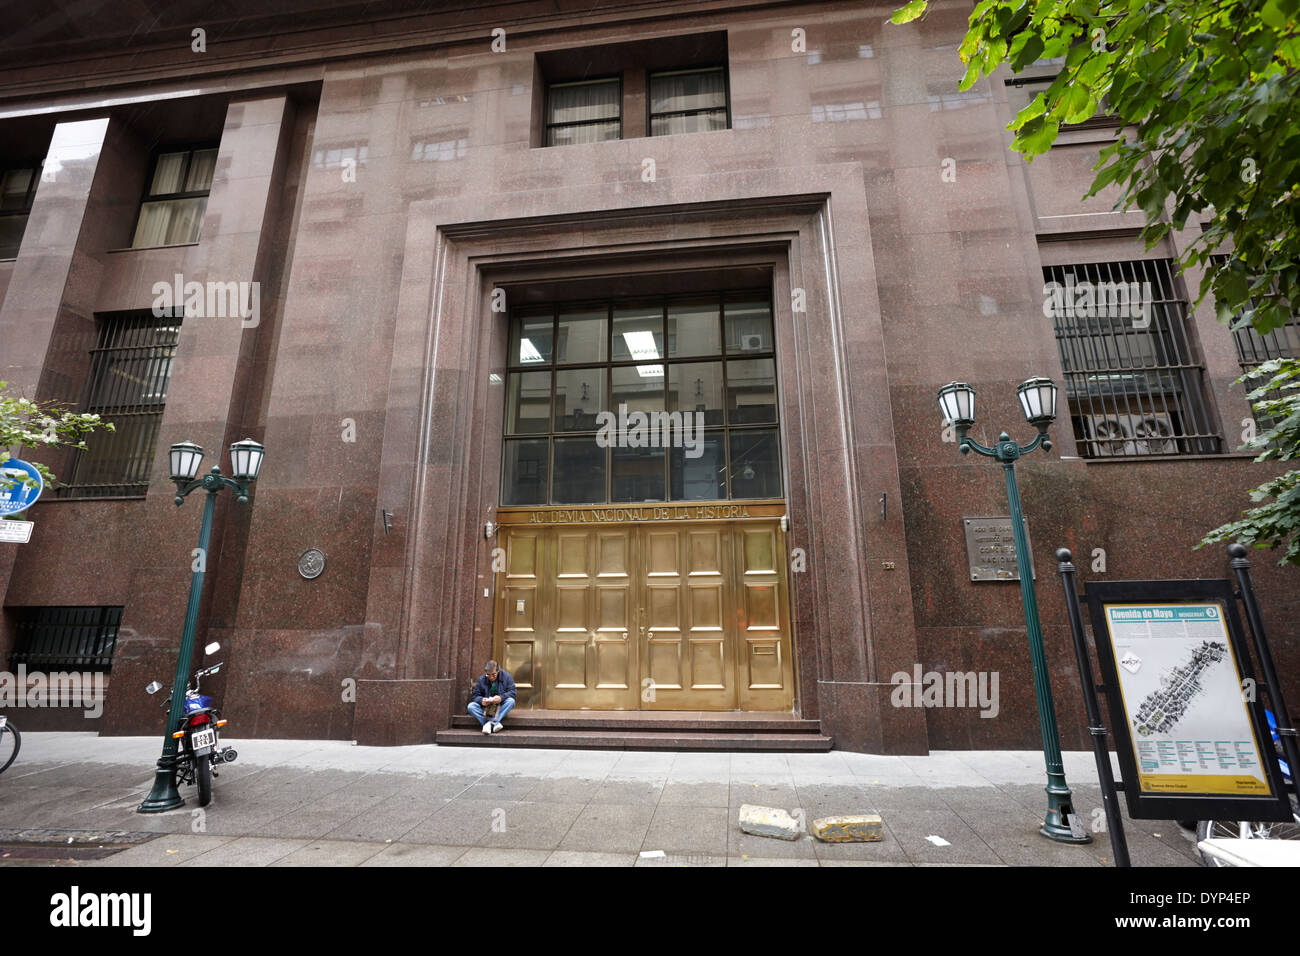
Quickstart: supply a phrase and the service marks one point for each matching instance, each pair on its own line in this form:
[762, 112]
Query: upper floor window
[688, 101]
[652, 87]
[587, 112]
[17, 191]
[176, 198]
[131, 374]
[1132, 376]
[1254, 348]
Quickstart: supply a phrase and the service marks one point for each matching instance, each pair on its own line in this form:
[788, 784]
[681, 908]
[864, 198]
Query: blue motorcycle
[199, 750]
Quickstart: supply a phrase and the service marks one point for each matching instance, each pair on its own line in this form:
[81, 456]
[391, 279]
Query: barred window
[132, 368]
[17, 192]
[65, 638]
[1132, 378]
[1255, 348]
[171, 212]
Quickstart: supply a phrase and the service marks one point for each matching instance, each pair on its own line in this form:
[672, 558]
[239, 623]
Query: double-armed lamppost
[245, 462]
[1038, 401]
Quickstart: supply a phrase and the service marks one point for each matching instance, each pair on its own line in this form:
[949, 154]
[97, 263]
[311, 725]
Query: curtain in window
[167, 174]
[688, 123]
[201, 167]
[581, 104]
[169, 222]
[704, 91]
[687, 91]
[151, 228]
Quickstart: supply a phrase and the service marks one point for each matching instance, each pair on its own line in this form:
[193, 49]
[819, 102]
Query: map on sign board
[1181, 690]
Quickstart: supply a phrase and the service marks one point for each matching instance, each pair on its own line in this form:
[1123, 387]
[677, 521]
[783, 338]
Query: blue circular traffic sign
[18, 496]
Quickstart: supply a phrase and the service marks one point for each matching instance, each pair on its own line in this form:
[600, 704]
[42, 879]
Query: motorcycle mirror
[153, 687]
[212, 648]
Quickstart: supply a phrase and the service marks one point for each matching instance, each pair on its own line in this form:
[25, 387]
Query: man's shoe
[487, 727]
[496, 728]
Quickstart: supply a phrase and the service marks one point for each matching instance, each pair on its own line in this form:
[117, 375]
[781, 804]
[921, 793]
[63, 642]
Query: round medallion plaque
[311, 563]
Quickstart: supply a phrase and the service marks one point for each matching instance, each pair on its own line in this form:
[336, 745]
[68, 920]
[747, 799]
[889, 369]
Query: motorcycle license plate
[203, 738]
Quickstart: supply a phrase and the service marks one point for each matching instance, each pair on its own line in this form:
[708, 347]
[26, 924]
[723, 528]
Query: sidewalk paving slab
[330, 802]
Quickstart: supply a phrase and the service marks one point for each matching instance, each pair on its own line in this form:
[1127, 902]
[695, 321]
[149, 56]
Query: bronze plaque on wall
[991, 549]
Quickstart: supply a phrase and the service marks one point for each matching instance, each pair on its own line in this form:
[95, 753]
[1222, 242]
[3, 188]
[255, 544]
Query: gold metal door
[518, 641]
[655, 615]
[687, 635]
[765, 663]
[591, 661]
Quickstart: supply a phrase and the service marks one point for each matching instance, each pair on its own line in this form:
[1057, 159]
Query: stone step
[674, 721]
[621, 739]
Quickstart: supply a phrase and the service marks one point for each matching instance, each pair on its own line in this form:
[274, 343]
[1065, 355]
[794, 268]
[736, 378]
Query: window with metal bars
[1133, 381]
[132, 367]
[1255, 348]
[65, 638]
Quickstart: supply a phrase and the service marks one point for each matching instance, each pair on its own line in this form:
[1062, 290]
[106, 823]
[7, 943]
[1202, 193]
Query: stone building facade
[471, 229]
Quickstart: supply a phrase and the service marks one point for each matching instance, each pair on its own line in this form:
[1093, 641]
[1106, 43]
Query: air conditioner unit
[752, 342]
[1111, 435]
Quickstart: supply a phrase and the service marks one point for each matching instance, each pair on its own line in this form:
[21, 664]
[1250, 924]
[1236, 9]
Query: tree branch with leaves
[1207, 93]
[37, 425]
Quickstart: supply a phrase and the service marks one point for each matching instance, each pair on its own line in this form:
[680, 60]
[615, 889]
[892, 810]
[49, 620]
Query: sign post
[1191, 734]
[20, 485]
[1096, 728]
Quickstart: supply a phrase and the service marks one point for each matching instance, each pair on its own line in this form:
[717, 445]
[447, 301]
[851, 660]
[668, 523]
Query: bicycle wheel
[10, 743]
[1245, 830]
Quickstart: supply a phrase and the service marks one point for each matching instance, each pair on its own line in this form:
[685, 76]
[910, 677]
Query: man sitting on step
[494, 695]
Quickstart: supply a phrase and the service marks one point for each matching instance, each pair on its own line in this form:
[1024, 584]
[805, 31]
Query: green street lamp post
[245, 463]
[1038, 401]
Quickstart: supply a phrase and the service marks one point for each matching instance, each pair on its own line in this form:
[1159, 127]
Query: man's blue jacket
[505, 686]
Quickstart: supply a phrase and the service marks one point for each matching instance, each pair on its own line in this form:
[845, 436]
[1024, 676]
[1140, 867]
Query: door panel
[520, 641]
[686, 637]
[592, 663]
[766, 671]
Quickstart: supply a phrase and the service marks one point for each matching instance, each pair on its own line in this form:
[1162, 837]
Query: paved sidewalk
[313, 802]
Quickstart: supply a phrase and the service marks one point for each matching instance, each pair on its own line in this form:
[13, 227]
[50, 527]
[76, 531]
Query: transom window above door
[670, 399]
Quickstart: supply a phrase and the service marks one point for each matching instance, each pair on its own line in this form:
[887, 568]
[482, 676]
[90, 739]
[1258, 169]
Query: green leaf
[1274, 15]
[1030, 50]
[1078, 104]
[909, 12]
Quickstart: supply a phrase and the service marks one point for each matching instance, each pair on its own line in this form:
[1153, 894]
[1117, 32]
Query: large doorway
[641, 506]
[632, 609]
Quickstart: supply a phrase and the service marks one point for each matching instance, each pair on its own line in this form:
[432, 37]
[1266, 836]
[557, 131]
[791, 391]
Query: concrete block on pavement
[854, 828]
[769, 822]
